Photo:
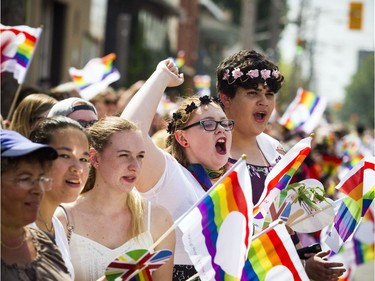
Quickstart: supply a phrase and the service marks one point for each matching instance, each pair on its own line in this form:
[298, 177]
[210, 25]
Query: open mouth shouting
[260, 116]
[220, 146]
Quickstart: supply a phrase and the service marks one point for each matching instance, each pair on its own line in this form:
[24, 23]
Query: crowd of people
[96, 179]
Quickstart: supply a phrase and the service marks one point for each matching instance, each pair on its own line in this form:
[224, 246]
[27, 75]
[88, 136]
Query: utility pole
[248, 18]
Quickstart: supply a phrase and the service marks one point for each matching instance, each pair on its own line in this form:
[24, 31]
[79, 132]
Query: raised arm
[141, 110]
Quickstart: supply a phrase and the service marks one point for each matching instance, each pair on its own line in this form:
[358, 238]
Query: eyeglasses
[86, 124]
[211, 125]
[28, 183]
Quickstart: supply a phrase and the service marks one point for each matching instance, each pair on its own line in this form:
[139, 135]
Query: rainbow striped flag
[280, 176]
[18, 44]
[217, 232]
[305, 112]
[331, 164]
[136, 265]
[359, 187]
[273, 256]
[96, 76]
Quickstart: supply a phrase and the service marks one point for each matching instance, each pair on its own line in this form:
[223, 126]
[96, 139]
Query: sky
[336, 48]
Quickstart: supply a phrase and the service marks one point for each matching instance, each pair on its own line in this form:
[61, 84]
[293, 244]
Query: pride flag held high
[359, 186]
[305, 112]
[273, 256]
[218, 230]
[280, 176]
[18, 44]
[97, 75]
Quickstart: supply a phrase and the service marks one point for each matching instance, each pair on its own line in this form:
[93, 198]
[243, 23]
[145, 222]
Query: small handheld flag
[18, 44]
[304, 113]
[217, 232]
[97, 75]
[136, 265]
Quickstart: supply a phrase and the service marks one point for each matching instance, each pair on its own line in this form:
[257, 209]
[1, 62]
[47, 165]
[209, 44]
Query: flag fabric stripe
[280, 176]
[305, 111]
[19, 44]
[347, 218]
[217, 231]
[271, 249]
[97, 74]
[215, 207]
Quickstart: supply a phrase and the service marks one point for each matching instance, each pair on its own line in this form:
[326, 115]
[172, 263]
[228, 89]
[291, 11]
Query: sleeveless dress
[48, 264]
[90, 258]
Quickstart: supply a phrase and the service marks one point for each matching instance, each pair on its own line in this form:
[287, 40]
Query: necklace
[49, 229]
[15, 247]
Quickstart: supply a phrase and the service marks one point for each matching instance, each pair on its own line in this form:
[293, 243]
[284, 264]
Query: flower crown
[189, 109]
[251, 74]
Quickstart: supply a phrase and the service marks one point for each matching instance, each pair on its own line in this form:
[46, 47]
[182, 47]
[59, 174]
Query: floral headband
[189, 108]
[252, 73]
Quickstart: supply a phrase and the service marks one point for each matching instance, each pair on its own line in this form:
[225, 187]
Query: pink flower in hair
[237, 73]
[265, 73]
[276, 73]
[226, 74]
[253, 73]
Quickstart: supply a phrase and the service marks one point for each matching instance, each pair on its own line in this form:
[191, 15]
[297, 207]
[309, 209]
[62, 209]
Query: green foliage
[309, 196]
[359, 96]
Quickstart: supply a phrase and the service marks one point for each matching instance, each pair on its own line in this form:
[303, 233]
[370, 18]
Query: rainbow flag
[273, 256]
[180, 60]
[280, 176]
[136, 265]
[359, 186]
[96, 76]
[18, 44]
[217, 232]
[305, 112]
[331, 164]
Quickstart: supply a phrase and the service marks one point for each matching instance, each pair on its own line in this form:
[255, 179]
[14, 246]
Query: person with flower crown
[199, 143]
[247, 84]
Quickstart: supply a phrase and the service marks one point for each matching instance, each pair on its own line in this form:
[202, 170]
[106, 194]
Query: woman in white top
[69, 173]
[199, 145]
[109, 217]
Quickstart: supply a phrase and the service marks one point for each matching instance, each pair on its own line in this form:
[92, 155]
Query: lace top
[48, 264]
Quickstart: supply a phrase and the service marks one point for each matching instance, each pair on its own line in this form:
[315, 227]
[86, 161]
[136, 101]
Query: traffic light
[355, 15]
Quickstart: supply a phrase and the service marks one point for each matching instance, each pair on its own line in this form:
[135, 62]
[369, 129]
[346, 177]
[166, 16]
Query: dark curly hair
[246, 60]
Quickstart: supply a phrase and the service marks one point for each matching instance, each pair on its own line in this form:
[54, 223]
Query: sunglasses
[211, 125]
[86, 124]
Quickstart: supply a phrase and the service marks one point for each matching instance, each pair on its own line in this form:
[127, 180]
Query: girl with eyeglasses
[69, 173]
[197, 151]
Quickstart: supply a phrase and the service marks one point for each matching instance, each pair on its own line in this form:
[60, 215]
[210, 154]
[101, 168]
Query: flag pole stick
[195, 276]
[313, 214]
[177, 222]
[14, 101]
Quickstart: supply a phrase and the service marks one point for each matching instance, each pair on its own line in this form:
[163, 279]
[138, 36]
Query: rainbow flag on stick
[359, 187]
[305, 112]
[280, 176]
[218, 230]
[97, 75]
[273, 256]
[18, 44]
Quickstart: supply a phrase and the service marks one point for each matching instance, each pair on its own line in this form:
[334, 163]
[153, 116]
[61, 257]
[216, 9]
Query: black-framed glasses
[211, 125]
[28, 182]
[86, 124]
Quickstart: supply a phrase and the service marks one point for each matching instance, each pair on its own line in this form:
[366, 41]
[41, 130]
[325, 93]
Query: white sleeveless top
[90, 258]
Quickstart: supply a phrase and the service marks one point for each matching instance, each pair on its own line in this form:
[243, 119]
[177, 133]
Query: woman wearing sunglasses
[198, 145]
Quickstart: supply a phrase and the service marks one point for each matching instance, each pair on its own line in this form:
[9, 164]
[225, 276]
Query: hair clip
[190, 107]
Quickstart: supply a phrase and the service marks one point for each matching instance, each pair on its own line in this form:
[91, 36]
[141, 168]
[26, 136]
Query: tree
[359, 96]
